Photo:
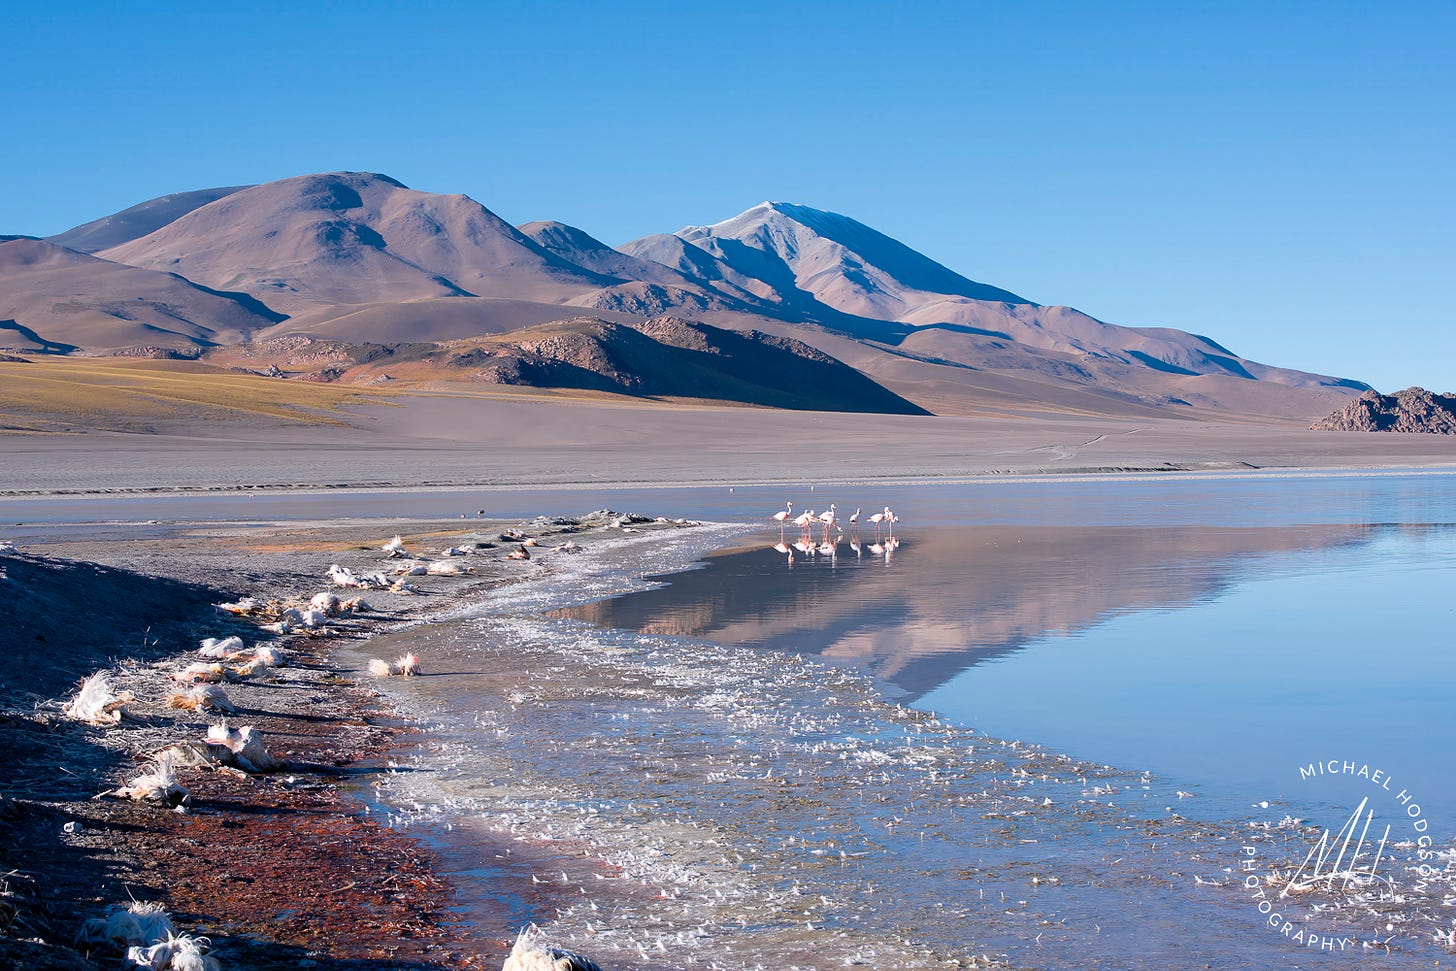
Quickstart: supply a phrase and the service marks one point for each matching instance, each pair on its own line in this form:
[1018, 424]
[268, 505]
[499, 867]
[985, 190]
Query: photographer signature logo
[1347, 873]
[1318, 867]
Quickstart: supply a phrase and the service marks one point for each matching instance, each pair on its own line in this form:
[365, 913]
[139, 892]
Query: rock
[1411, 410]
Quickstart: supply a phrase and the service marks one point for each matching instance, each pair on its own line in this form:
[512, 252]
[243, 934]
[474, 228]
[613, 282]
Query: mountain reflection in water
[951, 597]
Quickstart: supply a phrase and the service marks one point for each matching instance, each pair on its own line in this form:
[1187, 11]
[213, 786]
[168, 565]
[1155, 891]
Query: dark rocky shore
[282, 869]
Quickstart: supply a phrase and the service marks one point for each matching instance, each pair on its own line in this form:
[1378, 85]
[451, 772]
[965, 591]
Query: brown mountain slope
[137, 221]
[349, 238]
[665, 357]
[55, 299]
[672, 357]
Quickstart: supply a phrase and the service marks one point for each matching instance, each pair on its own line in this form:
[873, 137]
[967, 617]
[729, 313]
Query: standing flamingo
[854, 520]
[782, 517]
[879, 518]
[891, 519]
[827, 518]
[803, 520]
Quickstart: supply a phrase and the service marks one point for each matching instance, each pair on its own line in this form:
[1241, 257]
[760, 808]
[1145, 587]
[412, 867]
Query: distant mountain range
[361, 258]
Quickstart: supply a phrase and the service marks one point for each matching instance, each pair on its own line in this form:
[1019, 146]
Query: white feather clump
[394, 547]
[270, 656]
[247, 746]
[180, 952]
[199, 671]
[342, 576]
[447, 568]
[215, 647]
[200, 697]
[406, 665]
[97, 704]
[136, 923]
[159, 784]
[530, 954]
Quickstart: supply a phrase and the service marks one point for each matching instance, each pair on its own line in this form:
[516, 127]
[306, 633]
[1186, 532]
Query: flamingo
[782, 516]
[879, 518]
[891, 519]
[854, 519]
[804, 519]
[827, 518]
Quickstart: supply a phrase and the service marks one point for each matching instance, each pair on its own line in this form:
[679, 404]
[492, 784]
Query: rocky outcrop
[1411, 410]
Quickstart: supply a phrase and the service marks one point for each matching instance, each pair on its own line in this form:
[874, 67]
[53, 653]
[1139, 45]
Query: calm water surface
[1126, 677]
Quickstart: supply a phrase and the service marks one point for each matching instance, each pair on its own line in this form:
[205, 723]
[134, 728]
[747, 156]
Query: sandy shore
[276, 869]
[492, 442]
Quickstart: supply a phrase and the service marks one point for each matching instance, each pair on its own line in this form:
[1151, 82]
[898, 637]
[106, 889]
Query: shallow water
[737, 769]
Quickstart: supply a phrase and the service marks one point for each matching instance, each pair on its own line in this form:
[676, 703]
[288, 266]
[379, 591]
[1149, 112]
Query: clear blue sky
[1277, 176]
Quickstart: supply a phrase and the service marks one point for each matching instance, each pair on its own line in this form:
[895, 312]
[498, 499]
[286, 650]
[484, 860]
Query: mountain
[696, 263]
[138, 221]
[350, 238]
[361, 258]
[837, 261]
[814, 257]
[644, 288]
[55, 299]
[662, 357]
[671, 357]
[1411, 410]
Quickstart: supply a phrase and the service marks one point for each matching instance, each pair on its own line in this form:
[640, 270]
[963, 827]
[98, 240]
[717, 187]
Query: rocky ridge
[1412, 410]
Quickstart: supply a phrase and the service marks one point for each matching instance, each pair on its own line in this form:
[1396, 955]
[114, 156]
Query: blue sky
[1275, 176]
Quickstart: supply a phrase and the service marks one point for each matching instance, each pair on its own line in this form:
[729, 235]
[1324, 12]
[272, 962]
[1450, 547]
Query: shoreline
[321, 878]
[980, 478]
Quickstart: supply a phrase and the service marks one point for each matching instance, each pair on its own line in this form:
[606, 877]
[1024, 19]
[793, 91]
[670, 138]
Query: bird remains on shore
[140, 922]
[201, 697]
[182, 952]
[246, 745]
[150, 939]
[530, 954]
[158, 784]
[405, 666]
[394, 547]
[96, 704]
[216, 647]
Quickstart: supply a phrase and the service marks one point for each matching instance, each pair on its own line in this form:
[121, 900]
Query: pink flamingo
[879, 518]
[782, 517]
[827, 518]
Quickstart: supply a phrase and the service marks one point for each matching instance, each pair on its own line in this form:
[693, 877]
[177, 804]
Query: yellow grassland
[125, 392]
